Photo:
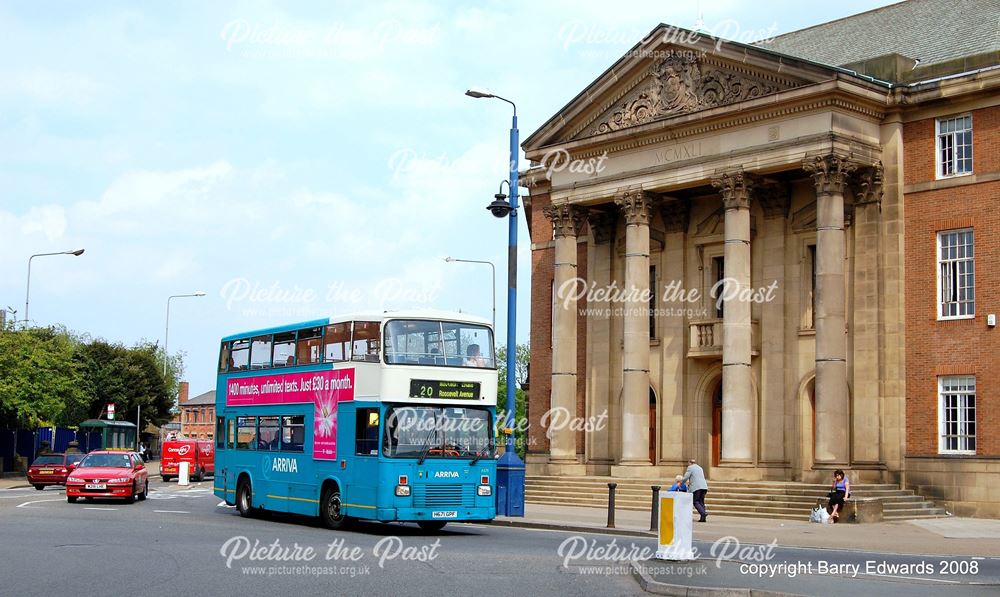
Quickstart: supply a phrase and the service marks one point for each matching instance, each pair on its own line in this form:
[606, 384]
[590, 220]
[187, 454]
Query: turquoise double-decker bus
[382, 416]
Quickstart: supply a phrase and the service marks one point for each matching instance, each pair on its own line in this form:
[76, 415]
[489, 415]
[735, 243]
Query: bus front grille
[442, 496]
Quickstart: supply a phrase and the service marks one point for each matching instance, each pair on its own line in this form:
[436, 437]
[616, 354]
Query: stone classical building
[778, 175]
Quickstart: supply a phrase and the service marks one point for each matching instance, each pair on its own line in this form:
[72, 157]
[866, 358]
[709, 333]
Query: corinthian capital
[735, 186]
[566, 219]
[867, 185]
[636, 205]
[830, 172]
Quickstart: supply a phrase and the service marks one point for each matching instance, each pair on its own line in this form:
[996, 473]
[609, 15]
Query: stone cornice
[566, 219]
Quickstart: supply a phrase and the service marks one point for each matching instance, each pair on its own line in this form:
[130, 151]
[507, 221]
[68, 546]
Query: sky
[292, 160]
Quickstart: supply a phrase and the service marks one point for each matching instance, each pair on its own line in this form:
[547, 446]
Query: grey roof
[927, 30]
[201, 399]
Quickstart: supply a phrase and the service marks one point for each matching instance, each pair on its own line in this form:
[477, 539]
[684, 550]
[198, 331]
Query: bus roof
[430, 314]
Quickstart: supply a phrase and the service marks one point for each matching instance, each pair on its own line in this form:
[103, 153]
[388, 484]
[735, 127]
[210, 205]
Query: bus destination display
[449, 390]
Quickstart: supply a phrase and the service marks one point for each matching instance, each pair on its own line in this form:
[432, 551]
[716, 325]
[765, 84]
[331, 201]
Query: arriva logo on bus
[446, 475]
[284, 465]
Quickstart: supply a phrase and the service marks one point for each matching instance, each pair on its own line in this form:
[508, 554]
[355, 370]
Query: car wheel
[131, 498]
[244, 499]
[164, 478]
[39, 487]
[331, 509]
[71, 499]
[431, 526]
[145, 491]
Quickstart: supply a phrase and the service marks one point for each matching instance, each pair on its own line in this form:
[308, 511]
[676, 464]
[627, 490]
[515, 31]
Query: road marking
[94, 508]
[224, 505]
[37, 502]
[955, 582]
[172, 511]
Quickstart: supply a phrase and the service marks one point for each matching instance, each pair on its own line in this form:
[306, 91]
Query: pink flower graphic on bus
[326, 417]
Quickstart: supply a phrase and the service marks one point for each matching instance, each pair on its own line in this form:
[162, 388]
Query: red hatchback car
[52, 469]
[107, 474]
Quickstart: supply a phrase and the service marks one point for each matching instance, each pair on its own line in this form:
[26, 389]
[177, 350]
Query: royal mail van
[199, 454]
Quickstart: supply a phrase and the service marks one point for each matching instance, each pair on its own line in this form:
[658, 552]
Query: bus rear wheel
[331, 509]
[431, 526]
[244, 499]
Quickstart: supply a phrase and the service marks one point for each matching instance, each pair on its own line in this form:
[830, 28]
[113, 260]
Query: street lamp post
[494, 279]
[166, 333]
[510, 468]
[27, 290]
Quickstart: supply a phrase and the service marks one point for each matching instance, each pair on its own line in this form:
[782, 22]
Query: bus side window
[220, 433]
[239, 357]
[366, 341]
[260, 352]
[284, 349]
[224, 357]
[246, 433]
[338, 342]
[231, 434]
[293, 433]
[366, 432]
[309, 348]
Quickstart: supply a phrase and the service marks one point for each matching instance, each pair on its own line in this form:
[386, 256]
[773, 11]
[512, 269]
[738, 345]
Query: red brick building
[197, 414]
[953, 294]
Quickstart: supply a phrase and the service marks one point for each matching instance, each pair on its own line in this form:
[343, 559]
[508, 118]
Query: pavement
[942, 536]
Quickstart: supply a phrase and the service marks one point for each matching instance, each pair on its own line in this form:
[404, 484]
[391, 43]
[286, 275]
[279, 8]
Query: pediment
[683, 83]
[661, 78]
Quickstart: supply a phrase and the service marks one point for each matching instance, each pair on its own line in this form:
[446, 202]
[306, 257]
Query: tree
[38, 377]
[521, 359]
[130, 378]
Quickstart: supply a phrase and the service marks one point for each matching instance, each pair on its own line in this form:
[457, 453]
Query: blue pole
[512, 288]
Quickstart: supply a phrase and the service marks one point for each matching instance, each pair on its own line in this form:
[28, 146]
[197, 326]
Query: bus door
[276, 469]
[363, 479]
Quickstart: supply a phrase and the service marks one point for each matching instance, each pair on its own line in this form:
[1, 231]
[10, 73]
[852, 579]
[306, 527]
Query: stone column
[598, 374]
[737, 384]
[675, 336]
[866, 362]
[830, 174]
[774, 199]
[566, 222]
[636, 207]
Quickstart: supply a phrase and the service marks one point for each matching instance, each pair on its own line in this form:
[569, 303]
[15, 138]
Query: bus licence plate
[445, 514]
[97, 486]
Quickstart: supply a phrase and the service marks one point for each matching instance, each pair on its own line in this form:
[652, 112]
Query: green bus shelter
[115, 435]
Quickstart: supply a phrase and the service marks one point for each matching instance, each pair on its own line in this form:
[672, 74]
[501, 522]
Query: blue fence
[26, 443]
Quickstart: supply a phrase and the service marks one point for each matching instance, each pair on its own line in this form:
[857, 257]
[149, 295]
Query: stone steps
[784, 500]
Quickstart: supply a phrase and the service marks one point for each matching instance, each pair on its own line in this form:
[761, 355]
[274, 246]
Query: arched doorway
[717, 425]
[652, 426]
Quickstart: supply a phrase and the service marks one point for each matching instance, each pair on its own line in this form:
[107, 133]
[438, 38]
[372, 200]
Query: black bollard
[654, 512]
[611, 505]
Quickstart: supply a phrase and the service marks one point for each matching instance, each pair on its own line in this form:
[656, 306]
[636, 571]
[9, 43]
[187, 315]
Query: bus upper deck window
[224, 357]
[260, 352]
[309, 348]
[239, 357]
[365, 345]
[338, 342]
[284, 349]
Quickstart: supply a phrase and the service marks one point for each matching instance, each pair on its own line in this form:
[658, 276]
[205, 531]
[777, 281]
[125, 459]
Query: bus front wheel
[244, 499]
[431, 526]
[332, 509]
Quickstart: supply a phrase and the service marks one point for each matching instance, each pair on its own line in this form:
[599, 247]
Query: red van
[198, 453]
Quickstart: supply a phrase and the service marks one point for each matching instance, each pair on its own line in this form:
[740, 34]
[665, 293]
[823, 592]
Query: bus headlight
[484, 490]
[402, 491]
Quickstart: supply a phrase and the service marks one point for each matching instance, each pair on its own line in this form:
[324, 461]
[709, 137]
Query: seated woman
[679, 484]
[473, 357]
[841, 491]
